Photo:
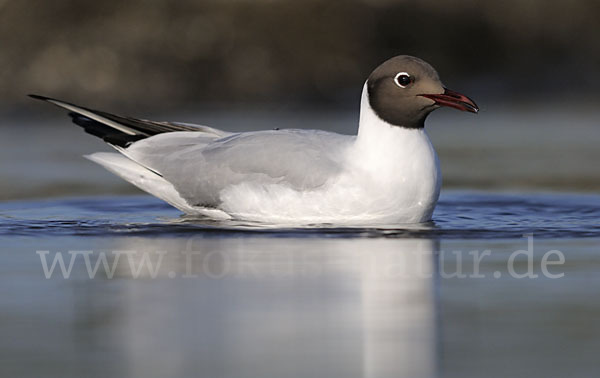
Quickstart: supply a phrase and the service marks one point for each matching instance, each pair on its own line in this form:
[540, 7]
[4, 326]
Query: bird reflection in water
[273, 307]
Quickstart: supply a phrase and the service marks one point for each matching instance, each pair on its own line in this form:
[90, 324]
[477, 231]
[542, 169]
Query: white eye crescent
[403, 79]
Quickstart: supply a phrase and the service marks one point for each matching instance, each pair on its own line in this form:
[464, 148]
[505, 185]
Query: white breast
[400, 166]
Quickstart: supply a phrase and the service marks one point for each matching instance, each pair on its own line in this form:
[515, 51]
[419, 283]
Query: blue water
[499, 284]
[229, 299]
[462, 215]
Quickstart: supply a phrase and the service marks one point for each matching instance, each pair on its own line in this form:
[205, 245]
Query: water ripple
[459, 215]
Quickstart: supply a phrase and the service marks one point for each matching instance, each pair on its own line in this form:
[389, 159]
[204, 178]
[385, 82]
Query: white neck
[399, 162]
[380, 137]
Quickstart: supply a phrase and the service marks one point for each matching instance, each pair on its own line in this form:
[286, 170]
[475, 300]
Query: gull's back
[200, 167]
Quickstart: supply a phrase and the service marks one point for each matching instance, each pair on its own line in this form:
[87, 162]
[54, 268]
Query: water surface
[185, 297]
[145, 292]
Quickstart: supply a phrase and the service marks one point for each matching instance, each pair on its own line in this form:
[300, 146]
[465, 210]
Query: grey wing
[199, 165]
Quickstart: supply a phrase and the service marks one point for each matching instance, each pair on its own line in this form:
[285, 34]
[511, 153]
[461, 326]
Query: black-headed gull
[388, 173]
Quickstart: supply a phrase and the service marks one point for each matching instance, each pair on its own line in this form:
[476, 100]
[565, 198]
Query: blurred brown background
[166, 55]
[239, 65]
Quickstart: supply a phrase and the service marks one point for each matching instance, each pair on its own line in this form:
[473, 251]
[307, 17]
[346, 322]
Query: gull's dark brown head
[404, 90]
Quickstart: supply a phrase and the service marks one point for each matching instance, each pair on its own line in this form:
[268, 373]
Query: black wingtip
[38, 97]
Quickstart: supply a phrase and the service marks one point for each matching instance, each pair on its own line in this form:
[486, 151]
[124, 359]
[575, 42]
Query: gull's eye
[402, 79]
